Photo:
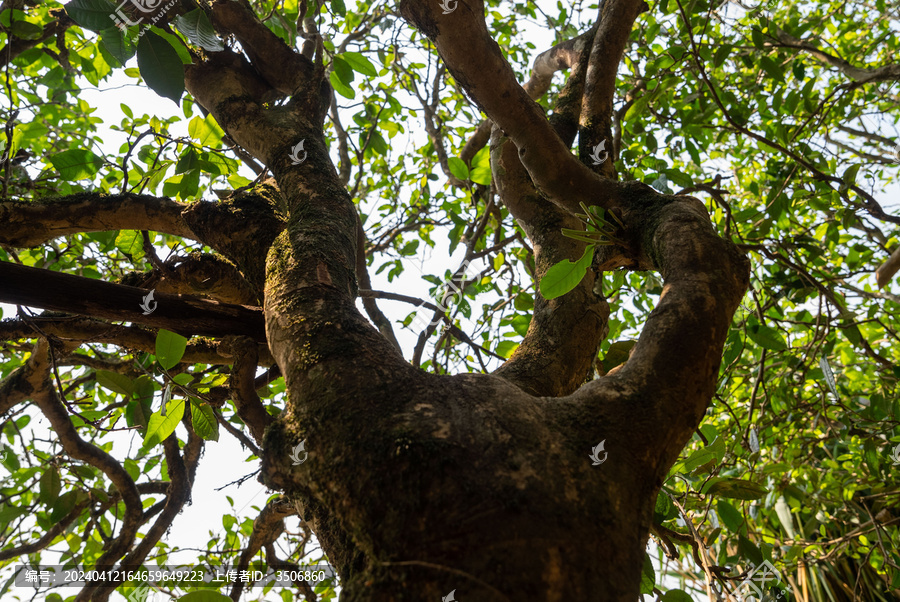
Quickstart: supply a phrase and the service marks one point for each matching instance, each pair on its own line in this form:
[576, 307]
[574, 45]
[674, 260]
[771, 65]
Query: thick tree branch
[559, 349]
[200, 273]
[281, 67]
[477, 63]
[31, 223]
[671, 374]
[563, 56]
[73, 294]
[74, 329]
[616, 20]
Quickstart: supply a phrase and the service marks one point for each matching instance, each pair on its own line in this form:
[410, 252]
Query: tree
[555, 427]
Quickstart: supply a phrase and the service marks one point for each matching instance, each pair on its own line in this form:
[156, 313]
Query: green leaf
[196, 26]
[737, 489]
[339, 7]
[339, 87]
[565, 275]
[131, 243]
[458, 168]
[343, 70]
[118, 44]
[160, 427]
[169, 348]
[64, 504]
[766, 337]
[829, 376]
[49, 485]
[114, 381]
[160, 66]
[10, 513]
[731, 517]
[713, 451]
[204, 421]
[749, 550]
[76, 164]
[95, 15]
[648, 576]
[849, 177]
[206, 131]
[784, 516]
[139, 409]
[189, 160]
[506, 348]
[360, 63]
[617, 354]
[481, 167]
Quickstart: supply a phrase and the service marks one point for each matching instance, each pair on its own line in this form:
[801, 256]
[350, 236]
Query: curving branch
[560, 57]
[558, 351]
[671, 373]
[478, 64]
[243, 386]
[267, 527]
[45, 396]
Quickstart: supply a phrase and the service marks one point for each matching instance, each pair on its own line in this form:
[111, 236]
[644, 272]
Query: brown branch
[477, 63]
[558, 351]
[243, 387]
[86, 330]
[887, 270]
[180, 313]
[616, 20]
[857, 74]
[31, 223]
[362, 274]
[267, 527]
[47, 538]
[17, 46]
[200, 273]
[282, 68]
[77, 448]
